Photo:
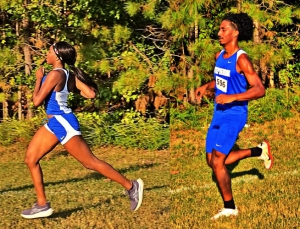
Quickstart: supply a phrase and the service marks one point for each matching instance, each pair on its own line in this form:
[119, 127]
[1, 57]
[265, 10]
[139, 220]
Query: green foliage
[284, 16]
[121, 44]
[121, 34]
[129, 131]
[133, 131]
[12, 131]
[132, 8]
[290, 75]
[276, 104]
[8, 63]
[194, 117]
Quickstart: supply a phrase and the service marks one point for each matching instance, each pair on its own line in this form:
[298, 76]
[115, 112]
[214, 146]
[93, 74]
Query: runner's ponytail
[67, 54]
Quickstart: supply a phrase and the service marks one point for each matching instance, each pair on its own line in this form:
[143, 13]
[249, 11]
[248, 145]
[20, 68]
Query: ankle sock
[229, 204]
[256, 152]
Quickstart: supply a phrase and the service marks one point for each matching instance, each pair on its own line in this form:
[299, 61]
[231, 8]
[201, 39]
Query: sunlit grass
[82, 198]
[265, 198]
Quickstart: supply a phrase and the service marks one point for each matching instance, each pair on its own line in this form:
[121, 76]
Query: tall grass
[142, 134]
[276, 104]
[99, 130]
[14, 131]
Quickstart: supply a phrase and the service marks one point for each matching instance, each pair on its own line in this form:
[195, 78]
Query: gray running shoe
[37, 211]
[136, 194]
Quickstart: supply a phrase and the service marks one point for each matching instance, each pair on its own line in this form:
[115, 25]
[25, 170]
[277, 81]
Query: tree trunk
[191, 74]
[27, 57]
[260, 67]
[264, 72]
[256, 37]
[192, 89]
[20, 113]
[272, 81]
[5, 109]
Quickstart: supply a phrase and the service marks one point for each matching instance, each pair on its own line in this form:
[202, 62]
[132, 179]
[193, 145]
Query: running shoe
[266, 155]
[37, 211]
[136, 194]
[225, 212]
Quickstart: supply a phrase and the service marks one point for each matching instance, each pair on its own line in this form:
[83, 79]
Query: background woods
[111, 47]
[141, 53]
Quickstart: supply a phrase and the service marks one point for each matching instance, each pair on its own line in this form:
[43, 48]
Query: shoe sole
[232, 214]
[269, 154]
[141, 190]
[39, 214]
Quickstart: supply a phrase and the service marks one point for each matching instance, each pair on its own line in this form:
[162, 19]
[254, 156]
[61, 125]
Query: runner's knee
[217, 160]
[90, 163]
[30, 159]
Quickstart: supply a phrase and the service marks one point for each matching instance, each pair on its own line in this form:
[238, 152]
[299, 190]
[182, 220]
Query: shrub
[12, 131]
[191, 116]
[99, 129]
[277, 103]
[137, 132]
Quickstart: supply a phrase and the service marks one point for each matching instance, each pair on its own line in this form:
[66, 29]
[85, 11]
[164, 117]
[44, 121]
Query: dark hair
[67, 54]
[243, 23]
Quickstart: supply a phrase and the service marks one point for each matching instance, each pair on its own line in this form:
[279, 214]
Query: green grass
[265, 198]
[82, 198]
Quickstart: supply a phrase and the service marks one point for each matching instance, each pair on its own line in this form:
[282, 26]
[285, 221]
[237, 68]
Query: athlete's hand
[40, 72]
[223, 98]
[199, 93]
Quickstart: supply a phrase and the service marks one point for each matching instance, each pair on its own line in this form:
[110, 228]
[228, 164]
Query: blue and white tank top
[229, 81]
[56, 102]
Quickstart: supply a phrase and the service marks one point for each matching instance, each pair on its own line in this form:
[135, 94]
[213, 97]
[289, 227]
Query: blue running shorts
[64, 127]
[224, 130]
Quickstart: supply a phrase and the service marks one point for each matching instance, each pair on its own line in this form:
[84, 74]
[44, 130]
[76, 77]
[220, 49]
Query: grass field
[265, 198]
[82, 198]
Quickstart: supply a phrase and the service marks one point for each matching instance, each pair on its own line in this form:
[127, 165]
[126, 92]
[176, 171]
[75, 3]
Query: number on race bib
[221, 84]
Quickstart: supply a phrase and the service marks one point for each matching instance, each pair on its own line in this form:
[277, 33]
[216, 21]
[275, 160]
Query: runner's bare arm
[85, 91]
[42, 90]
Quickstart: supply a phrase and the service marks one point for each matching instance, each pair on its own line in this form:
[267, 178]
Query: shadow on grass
[93, 175]
[131, 168]
[65, 214]
[253, 171]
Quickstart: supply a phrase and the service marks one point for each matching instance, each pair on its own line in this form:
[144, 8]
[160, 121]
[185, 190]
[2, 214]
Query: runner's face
[226, 33]
[51, 56]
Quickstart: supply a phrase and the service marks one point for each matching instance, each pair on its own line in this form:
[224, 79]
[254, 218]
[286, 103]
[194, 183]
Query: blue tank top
[229, 81]
[56, 102]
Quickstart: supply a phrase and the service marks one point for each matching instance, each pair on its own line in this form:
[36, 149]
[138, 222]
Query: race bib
[221, 84]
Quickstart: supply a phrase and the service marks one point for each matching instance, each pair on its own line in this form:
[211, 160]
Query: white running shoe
[266, 155]
[225, 212]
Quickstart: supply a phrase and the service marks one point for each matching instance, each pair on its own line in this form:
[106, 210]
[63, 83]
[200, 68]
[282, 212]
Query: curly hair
[243, 23]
